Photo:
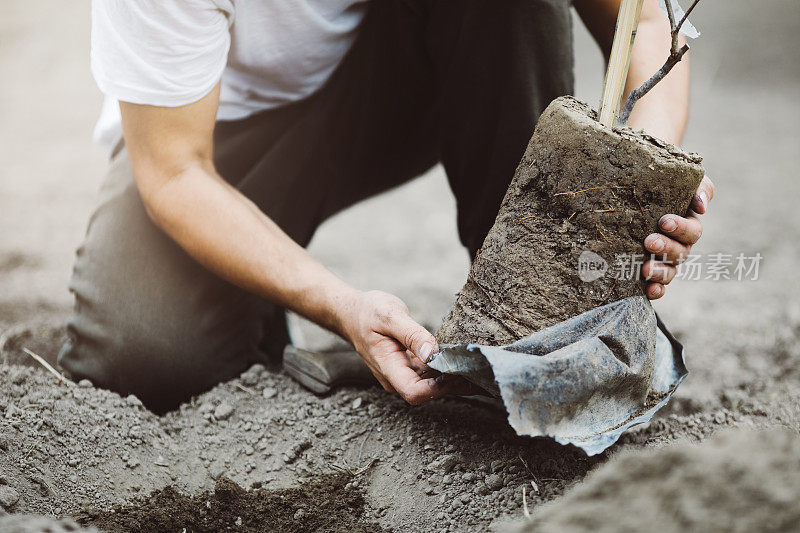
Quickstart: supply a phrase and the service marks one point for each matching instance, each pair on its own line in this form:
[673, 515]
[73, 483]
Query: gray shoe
[320, 372]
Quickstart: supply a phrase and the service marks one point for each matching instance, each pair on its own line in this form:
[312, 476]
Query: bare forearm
[230, 236]
[663, 112]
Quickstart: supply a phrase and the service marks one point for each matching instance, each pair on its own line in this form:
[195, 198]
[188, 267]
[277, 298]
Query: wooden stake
[627, 21]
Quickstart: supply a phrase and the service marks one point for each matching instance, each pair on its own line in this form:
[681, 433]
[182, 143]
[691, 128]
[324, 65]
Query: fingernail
[657, 245]
[703, 199]
[669, 224]
[425, 352]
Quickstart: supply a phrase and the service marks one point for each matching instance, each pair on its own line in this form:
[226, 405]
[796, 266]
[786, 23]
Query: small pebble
[223, 411]
[133, 401]
[494, 482]
[8, 497]
[269, 392]
[216, 471]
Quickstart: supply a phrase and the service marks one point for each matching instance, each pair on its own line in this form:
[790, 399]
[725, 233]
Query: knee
[162, 369]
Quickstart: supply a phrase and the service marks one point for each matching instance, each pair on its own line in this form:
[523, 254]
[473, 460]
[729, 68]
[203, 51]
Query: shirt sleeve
[159, 52]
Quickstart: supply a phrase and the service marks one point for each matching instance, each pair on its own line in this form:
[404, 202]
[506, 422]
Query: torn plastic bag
[583, 381]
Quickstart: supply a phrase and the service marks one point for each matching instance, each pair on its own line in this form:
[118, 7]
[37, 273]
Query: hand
[674, 243]
[396, 348]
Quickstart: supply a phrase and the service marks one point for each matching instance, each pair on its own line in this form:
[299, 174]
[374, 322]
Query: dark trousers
[462, 82]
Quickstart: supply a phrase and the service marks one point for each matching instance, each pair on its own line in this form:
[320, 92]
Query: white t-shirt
[173, 52]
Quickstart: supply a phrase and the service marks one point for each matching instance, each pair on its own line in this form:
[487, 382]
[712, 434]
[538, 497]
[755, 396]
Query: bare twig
[686, 15]
[593, 189]
[525, 503]
[676, 53]
[353, 473]
[671, 17]
[245, 389]
[365, 467]
[48, 367]
[343, 469]
[363, 442]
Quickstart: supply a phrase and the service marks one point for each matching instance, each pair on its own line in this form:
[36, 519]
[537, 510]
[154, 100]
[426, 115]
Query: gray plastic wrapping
[583, 381]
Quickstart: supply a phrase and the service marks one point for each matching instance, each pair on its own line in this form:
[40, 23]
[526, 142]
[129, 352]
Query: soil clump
[580, 188]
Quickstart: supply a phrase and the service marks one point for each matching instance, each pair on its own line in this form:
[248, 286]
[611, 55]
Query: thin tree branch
[673, 33]
[645, 88]
[686, 15]
[675, 56]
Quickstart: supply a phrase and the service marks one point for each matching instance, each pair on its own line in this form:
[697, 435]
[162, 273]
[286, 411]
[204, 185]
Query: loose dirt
[738, 481]
[67, 450]
[327, 504]
[452, 465]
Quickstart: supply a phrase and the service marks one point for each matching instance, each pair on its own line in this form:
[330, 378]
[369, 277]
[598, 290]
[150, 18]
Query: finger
[658, 272]
[429, 373]
[668, 250]
[687, 230]
[411, 335]
[385, 345]
[415, 363]
[655, 291]
[381, 379]
[705, 192]
[413, 388]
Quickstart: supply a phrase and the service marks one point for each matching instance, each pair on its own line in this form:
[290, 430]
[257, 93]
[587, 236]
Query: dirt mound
[328, 504]
[451, 465]
[738, 481]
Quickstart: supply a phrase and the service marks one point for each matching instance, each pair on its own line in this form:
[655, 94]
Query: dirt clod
[8, 498]
[580, 188]
[223, 411]
[494, 481]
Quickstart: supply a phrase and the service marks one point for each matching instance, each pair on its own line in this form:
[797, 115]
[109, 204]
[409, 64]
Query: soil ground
[75, 451]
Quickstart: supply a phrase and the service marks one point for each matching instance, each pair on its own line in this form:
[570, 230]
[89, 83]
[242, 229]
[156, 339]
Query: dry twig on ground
[48, 367]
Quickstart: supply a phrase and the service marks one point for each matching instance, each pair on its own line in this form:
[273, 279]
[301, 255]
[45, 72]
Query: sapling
[558, 274]
[582, 187]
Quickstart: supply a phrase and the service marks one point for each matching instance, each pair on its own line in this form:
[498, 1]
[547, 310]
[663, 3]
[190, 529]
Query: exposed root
[594, 189]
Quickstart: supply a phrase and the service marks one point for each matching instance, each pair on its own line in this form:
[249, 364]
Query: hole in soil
[323, 504]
